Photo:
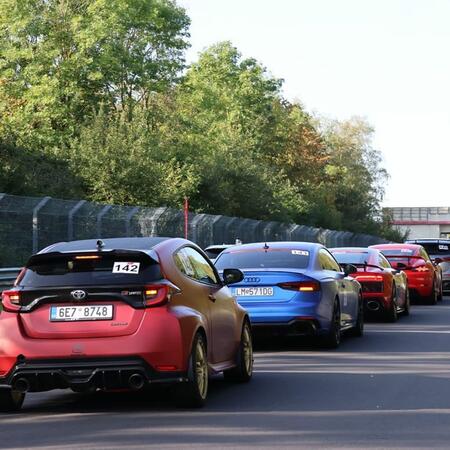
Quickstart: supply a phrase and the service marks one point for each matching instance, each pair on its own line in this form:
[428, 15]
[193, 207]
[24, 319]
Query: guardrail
[7, 277]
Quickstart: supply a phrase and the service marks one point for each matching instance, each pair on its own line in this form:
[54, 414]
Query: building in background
[431, 222]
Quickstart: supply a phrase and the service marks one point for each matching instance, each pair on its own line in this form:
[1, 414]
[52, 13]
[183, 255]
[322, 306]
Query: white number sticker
[131, 268]
[300, 252]
[443, 247]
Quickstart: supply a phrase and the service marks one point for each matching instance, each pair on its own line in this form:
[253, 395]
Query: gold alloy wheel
[201, 369]
[247, 350]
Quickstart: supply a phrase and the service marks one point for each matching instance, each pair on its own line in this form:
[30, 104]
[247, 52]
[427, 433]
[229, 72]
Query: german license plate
[85, 312]
[254, 291]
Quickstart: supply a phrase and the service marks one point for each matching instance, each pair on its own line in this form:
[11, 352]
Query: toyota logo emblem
[78, 294]
[252, 280]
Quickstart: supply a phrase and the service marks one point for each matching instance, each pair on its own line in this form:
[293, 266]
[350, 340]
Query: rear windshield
[351, 257]
[434, 249]
[253, 259]
[74, 270]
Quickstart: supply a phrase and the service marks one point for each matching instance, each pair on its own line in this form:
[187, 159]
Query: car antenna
[266, 247]
[100, 245]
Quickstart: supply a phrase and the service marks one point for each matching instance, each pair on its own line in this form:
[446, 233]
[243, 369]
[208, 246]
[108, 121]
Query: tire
[358, 329]
[333, 338]
[407, 308]
[243, 371]
[391, 313]
[10, 400]
[193, 393]
[433, 297]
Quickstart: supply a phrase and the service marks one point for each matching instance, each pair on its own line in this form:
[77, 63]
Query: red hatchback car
[424, 277]
[384, 289]
[121, 313]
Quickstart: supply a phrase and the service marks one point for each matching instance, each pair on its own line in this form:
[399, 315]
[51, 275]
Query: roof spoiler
[41, 257]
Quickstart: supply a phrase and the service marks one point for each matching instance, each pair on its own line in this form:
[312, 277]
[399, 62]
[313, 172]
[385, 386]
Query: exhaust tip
[136, 381]
[373, 306]
[21, 385]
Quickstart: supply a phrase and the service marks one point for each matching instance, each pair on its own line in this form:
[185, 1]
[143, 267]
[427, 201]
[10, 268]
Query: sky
[385, 60]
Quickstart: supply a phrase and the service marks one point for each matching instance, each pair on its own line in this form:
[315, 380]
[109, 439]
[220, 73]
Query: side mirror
[401, 266]
[348, 269]
[231, 276]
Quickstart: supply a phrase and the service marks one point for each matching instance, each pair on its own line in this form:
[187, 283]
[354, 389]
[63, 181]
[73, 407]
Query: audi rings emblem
[252, 280]
[78, 294]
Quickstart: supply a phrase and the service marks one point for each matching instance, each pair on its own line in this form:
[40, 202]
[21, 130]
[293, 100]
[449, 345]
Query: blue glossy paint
[286, 306]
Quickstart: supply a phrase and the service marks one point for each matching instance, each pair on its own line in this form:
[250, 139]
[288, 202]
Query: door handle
[212, 297]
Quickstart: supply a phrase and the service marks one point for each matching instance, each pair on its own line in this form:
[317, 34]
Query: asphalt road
[389, 389]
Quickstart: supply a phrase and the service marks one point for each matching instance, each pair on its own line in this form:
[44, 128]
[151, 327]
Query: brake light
[88, 257]
[301, 286]
[421, 269]
[11, 301]
[369, 277]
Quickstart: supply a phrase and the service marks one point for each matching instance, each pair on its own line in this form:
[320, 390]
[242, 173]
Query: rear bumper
[299, 327]
[86, 374]
[419, 285]
[446, 285]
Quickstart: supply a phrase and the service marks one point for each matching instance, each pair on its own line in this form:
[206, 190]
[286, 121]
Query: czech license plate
[85, 312]
[254, 291]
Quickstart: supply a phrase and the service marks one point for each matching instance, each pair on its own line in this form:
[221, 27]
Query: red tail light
[421, 269]
[369, 277]
[159, 294]
[11, 301]
[301, 286]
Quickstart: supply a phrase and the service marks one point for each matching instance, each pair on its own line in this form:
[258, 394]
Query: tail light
[421, 269]
[11, 301]
[159, 294]
[369, 277]
[301, 286]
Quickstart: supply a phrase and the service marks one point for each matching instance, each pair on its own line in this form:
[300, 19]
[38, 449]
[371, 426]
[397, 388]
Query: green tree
[122, 162]
[61, 59]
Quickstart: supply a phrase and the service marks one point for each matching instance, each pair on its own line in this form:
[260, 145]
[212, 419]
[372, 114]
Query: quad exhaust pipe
[21, 385]
[136, 381]
[373, 306]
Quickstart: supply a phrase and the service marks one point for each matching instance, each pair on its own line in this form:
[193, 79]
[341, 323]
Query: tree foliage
[94, 101]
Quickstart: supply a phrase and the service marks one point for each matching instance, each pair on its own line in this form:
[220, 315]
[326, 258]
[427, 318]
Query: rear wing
[42, 257]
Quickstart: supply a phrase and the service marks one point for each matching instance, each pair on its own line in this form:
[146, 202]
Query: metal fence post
[99, 219]
[128, 220]
[70, 219]
[36, 209]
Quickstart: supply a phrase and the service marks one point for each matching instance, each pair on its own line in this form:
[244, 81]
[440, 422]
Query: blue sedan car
[296, 288]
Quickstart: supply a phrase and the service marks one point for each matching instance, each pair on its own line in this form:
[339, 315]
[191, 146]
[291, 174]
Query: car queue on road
[128, 313]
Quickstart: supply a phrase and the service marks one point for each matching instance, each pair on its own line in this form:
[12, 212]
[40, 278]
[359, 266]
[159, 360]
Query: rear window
[106, 269]
[351, 257]
[434, 249]
[275, 258]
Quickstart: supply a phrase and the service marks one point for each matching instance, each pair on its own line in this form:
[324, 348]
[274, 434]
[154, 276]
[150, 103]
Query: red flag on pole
[186, 217]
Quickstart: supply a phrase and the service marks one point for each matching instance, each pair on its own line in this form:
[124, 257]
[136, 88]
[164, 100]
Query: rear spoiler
[364, 265]
[402, 256]
[42, 257]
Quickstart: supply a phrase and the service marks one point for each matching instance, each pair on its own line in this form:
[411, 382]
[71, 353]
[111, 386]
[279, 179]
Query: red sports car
[424, 277]
[121, 313]
[385, 289]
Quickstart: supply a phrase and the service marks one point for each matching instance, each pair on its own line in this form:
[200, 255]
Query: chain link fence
[28, 224]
